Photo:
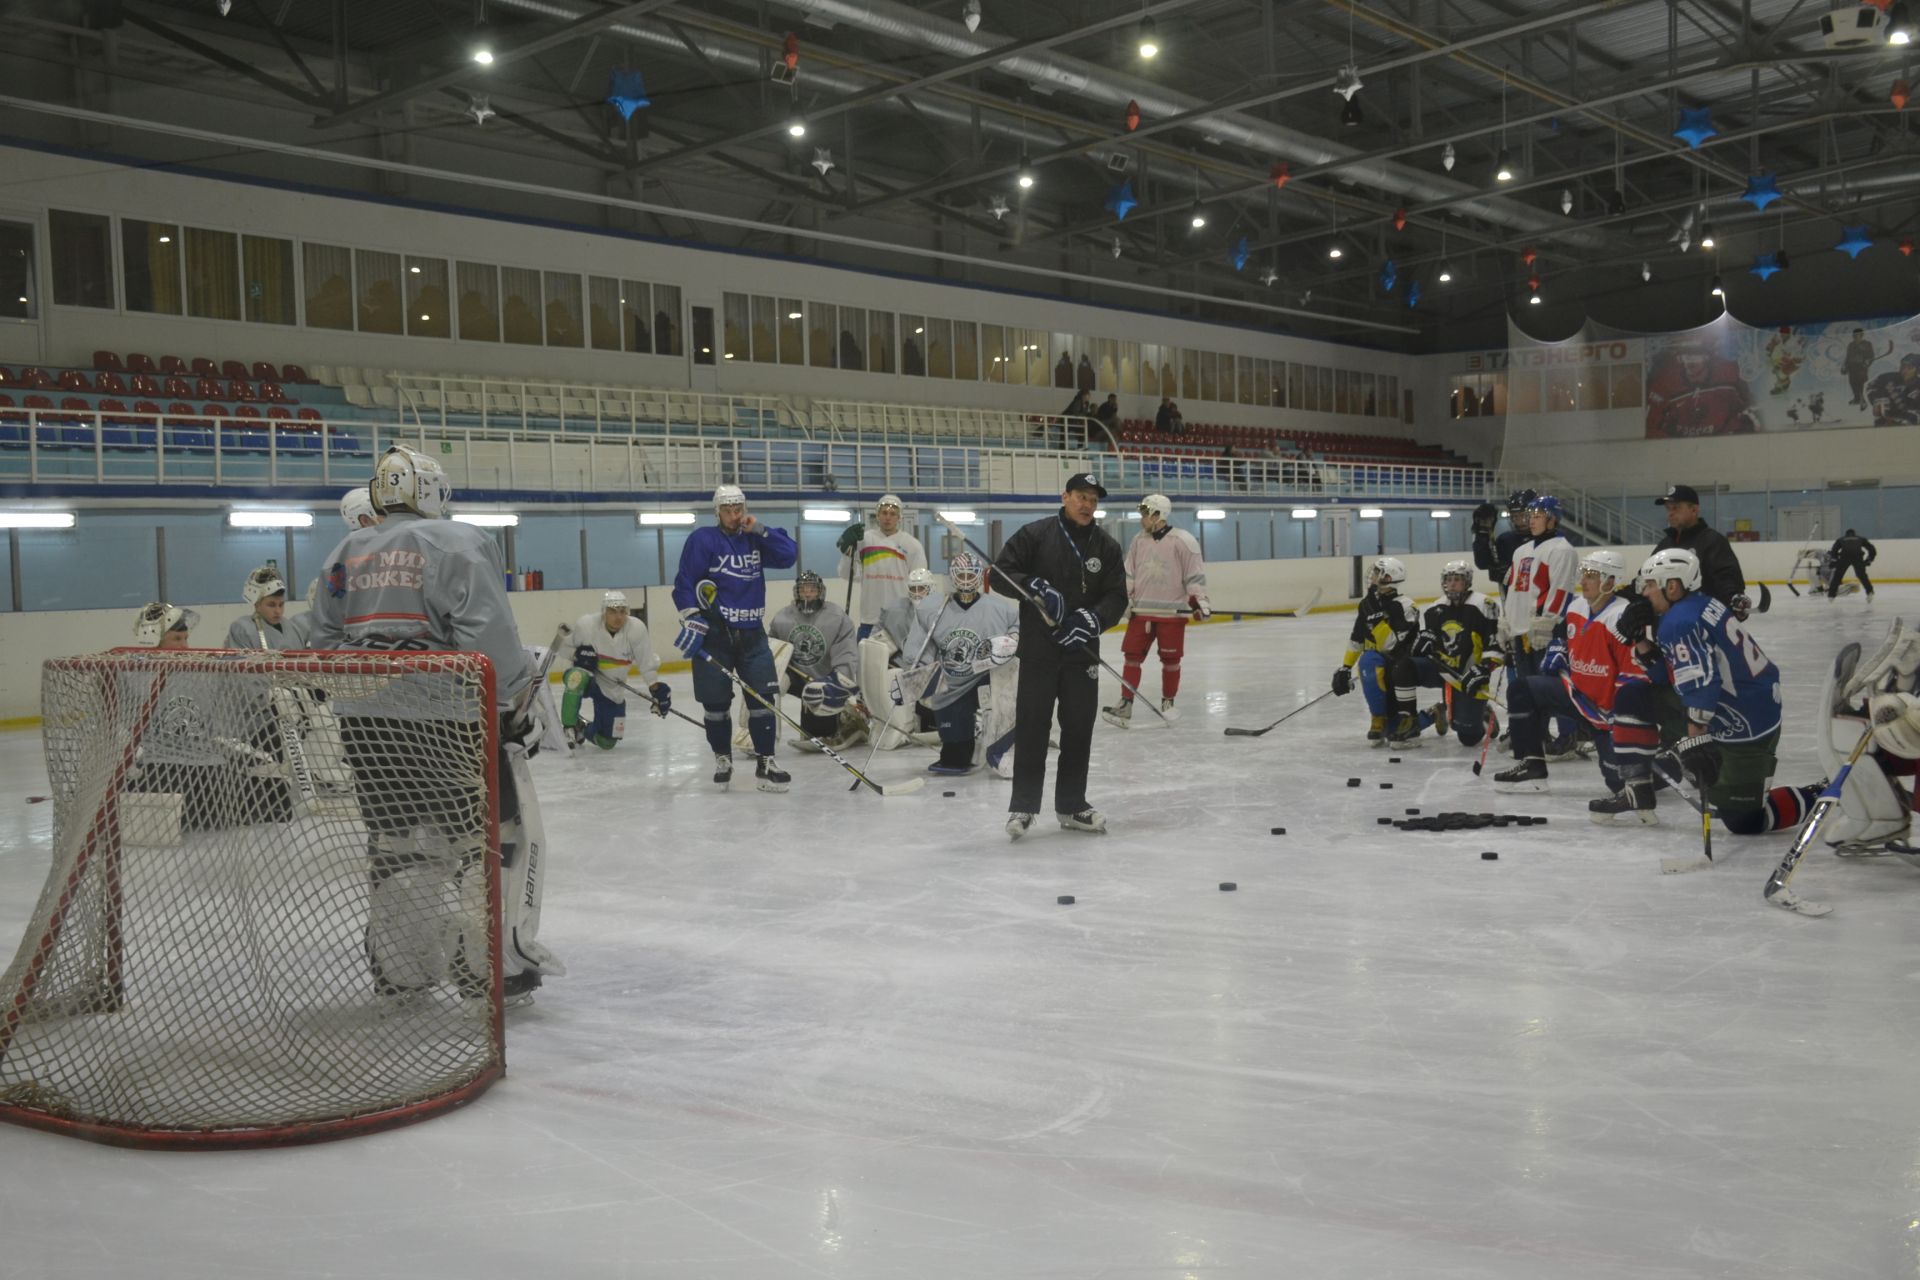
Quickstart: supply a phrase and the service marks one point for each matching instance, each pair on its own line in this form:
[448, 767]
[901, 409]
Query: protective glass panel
[267, 265]
[565, 323]
[479, 302]
[150, 262]
[427, 314]
[82, 251]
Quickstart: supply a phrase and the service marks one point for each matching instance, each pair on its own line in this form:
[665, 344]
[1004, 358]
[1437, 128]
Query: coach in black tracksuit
[1851, 551]
[1075, 569]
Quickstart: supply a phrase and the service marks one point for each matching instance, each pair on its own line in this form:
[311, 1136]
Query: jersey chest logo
[1093, 564]
[809, 645]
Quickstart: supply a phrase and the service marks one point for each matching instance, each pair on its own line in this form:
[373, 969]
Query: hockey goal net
[272, 910]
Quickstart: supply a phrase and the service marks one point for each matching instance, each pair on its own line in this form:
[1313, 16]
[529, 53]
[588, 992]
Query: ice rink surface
[824, 1034]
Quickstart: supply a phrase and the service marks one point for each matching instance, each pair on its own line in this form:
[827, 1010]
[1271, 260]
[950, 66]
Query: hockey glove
[1485, 517]
[584, 656]
[1741, 606]
[1636, 622]
[1048, 598]
[662, 698]
[1540, 631]
[1474, 683]
[1001, 648]
[1424, 645]
[1202, 610]
[1896, 724]
[850, 536]
[693, 633]
[1077, 628]
[824, 696]
[1699, 758]
[1342, 681]
[1554, 661]
[518, 726]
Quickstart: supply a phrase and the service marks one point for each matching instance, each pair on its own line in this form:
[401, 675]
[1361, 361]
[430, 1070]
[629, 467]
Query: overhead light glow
[794, 315]
[257, 519]
[797, 127]
[1306, 513]
[1503, 167]
[36, 519]
[1210, 513]
[826, 515]
[1149, 39]
[488, 519]
[1446, 273]
[483, 55]
[651, 518]
[1534, 300]
[1099, 513]
[1441, 515]
[1334, 251]
[961, 516]
[1718, 289]
[1371, 513]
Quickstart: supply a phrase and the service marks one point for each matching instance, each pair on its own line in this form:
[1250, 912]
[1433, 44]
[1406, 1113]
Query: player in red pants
[1166, 581]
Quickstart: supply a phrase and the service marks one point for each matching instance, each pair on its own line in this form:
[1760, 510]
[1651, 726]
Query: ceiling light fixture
[797, 126]
[1025, 177]
[1706, 235]
[1198, 218]
[1717, 289]
[1900, 23]
[1149, 39]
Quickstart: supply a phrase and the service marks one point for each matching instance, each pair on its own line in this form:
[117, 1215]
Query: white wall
[29, 639]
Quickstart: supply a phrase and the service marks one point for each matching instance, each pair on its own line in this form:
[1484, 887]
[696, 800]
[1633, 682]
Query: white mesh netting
[271, 913]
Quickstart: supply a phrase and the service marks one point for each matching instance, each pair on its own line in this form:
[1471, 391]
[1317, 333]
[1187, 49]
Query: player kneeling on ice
[1730, 691]
[721, 592]
[969, 642]
[820, 668]
[1166, 580]
[418, 582]
[1457, 649]
[605, 645]
[1385, 622]
[1582, 670]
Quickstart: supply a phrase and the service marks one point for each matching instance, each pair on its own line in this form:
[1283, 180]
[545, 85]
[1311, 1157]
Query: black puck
[1353, 782]
[1386, 786]
[1489, 856]
[1278, 831]
[1393, 759]
[1521, 819]
[949, 794]
[1065, 899]
[1387, 822]
[1539, 822]
[1412, 812]
[1228, 886]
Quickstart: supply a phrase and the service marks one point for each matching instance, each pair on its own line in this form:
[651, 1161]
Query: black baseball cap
[1678, 493]
[1083, 480]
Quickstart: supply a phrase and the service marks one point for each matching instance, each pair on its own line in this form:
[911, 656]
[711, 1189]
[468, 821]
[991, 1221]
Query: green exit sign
[446, 446]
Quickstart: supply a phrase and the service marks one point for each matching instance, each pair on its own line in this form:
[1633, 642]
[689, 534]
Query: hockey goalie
[1878, 695]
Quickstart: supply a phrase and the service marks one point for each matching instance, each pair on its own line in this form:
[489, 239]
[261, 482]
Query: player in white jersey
[418, 582]
[1542, 585]
[884, 652]
[971, 639]
[605, 645]
[264, 625]
[822, 663]
[1166, 581]
[880, 554]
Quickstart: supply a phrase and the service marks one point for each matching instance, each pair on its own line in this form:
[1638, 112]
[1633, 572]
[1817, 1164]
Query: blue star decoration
[1696, 126]
[1389, 274]
[1765, 265]
[627, 91]
[1413, 294]
[1854, 241]
[1120, 201]
[1762, 190]
[1240, 253]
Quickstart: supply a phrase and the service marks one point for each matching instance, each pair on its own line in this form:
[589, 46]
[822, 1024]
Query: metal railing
[1602, 522]
[577, 407]
[957, 425]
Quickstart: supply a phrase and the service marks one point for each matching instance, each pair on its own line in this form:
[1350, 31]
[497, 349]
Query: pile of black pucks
[1462, 821]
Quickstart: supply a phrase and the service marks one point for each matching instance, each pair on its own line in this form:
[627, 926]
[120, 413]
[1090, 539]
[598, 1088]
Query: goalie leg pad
[409, 901]
[523, 869]
[576, 683]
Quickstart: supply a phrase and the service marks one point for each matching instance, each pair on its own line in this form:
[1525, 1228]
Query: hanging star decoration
[1116, 246]
[970, 14]
[1389, 274]
[1120, 200]
[627, 91]
[1899, 95]
[1400, 218]
[1413, 294]
[1447, 157]
[1347, 82]
[998, 207]
[1133, 115]
[1279, 174]
[1765, 265]
[1527, 255]
[1906, 248]
[1854, 241]
[226, 7]
[480, 109]
[1696, 126]
[1240, 252]
[1762, 190]
[1268, 277]
[1566, 201]
[790, 51]
[823, 159]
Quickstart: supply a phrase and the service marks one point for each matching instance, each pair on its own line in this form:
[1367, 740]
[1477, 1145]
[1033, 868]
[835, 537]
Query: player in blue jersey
[721, 592]
[1693, 644]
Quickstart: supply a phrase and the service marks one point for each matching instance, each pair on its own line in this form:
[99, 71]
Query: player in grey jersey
[972, 638]
[821, 667]
[417, 582]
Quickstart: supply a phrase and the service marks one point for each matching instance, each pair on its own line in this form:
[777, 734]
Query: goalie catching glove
[1896, 724]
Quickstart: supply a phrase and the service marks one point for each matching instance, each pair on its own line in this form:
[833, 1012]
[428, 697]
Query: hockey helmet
[1158, 503]
[887, 500]
[965, 572]
[729, 495]
[159, 618]
[1671, 565]
[1607, 564]
[919, 584]
[1388, 572]
[261, 584]
[1547, 505]
[410, 480]
[809, 591]
[1520, 499]
[614, 600]
[356, 508]
[1456, 580]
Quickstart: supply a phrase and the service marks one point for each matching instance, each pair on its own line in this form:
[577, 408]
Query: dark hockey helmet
[1520, 499]
[809, 591]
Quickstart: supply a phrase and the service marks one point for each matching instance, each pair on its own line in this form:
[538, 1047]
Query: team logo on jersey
[957, 654]
[1093, 564]
[809, 647]
[337, 580]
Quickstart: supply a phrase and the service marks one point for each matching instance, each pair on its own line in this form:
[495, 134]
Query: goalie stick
[1132, 691]
[1254, 733]
[1777, 891]
[705, 591]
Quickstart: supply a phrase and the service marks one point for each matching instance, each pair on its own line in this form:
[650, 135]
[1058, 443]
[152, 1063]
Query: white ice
[823, 1034]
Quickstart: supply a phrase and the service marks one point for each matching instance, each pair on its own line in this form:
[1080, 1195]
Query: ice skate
[769, 777]
[1405, 733]
[1018, 824]
[1529, 775]
[722, 771]
[1089, 820]
[1632, 802]
[1168, 710]
[1438, 713]
[1120, 714]
[1377, 732]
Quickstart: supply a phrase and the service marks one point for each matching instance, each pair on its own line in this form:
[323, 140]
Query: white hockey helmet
[159, 618]
[313, 593]
[356, 508]
[1387, 571]
[888, 500]
[919, 584]
[1607, 564]
[262, 583]
[965, 572]
[729, 495]
[407, 479]
[1673, 564]
[614, 600]
[1158, 503]
[1456, 569]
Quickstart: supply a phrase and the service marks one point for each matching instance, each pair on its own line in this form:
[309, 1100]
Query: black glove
[1342, 682]
[662, 698]
[1475, 682]
[584, 656]
[1699, 758]
[1424, 645]
[1048, 597]
[1741, 606]
[849, 542]
[518, 726]
[1485, 517]
[1635, 621]
[1077, 628]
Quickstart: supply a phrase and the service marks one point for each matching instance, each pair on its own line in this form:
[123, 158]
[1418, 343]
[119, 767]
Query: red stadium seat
[245, 411]
[176, 387]
[144, 385]
[204, 368]
[146, 406]
[273, 393]
[308, 415]
[277, 414]
[231, 369]
[107, 361]
[138, 363]
[74, 380]
[7, 378]
[215, 411]
[294, 373]
[264, 372]
[109, 384]
[172, 365]
[36, 402]
[240, 389]
[74, 404]
[208, 388]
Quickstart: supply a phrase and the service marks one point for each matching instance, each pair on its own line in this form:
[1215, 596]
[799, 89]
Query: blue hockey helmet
[1547, 504]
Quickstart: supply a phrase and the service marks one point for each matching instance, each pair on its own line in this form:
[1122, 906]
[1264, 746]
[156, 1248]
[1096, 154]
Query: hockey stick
[1300, 612]
[888, 722]
[655, 703]
[1493, 731]
[706, 592]
[1663, 765]
[1255, 733]
[1132, 691]
[1776, 891]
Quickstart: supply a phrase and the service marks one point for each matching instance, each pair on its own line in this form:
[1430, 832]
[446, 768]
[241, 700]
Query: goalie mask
[919, 584]
[1386, 575]
[1456, 581]
[160, 619]
[809, 592]
[261, 584]
[965, 572]
[407, 479]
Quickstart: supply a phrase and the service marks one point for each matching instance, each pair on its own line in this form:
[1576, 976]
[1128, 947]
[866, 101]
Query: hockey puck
[1412, 812]
[1489, 856]
[1228, 886]
[1065, 899]
[949, 794]
[1539, 822]
[1353, 782]
[1278, 831]
[1387, 822]
[1393, 759]
[36, 799]
[1521, 819]
[1386, 786]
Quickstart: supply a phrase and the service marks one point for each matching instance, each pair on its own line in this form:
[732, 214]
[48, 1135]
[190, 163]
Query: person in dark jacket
[1495, 553]
[1851, 551]
[1720, 573]
[1073, 570]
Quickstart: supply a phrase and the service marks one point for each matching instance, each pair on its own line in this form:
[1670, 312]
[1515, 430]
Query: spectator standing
[1720, 574]
[1163, 418]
